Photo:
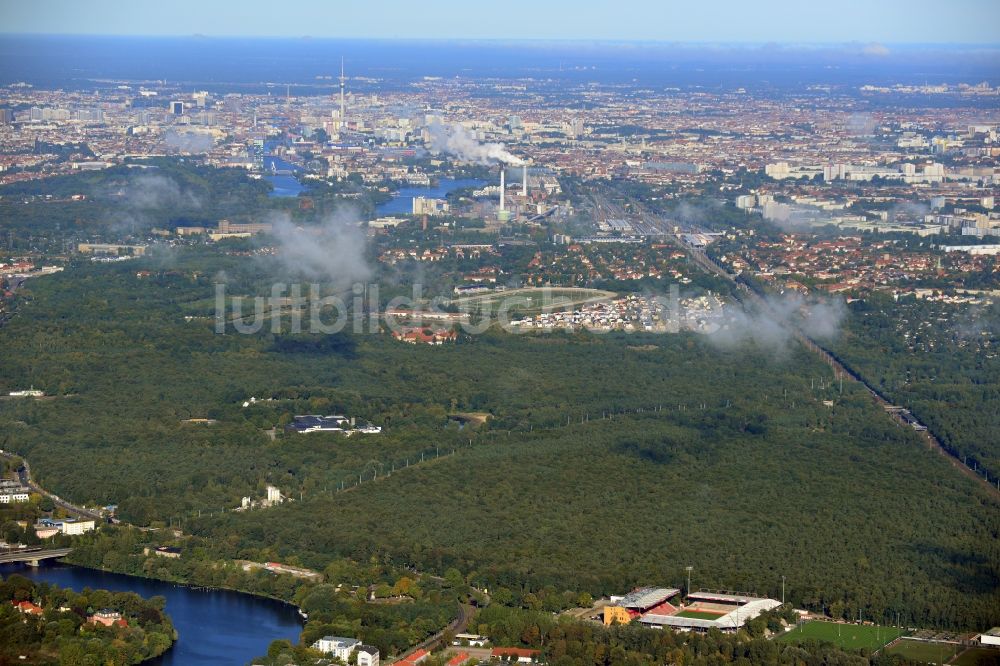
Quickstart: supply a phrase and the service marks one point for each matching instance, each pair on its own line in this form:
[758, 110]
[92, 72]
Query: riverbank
[213, 625]
[59, 623]
[69, 561]
[401, 202]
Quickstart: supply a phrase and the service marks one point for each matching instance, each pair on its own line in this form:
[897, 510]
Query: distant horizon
[608, 41]
[968, 22]
[243, 60]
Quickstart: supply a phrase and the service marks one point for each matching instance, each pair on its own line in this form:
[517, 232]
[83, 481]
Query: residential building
[28, 608]
[368, 655]
[69, 526]
[415, 657]
[108, 618]
[339, 647]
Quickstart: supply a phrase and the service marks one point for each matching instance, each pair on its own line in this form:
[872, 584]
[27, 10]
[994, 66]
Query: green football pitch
[978, 657]
[923, 651]
[848, 636]
[700, 615]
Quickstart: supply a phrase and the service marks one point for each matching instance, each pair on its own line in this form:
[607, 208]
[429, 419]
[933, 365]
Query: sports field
[848, 636]
[700, 615]
[978, 657]
[532, 299]
[926, 652]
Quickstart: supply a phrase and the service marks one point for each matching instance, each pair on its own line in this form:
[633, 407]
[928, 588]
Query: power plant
[503, 213]
[503, 185]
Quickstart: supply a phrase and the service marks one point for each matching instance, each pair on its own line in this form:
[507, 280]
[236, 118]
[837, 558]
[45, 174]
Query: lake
[213, 626]
[402, 200]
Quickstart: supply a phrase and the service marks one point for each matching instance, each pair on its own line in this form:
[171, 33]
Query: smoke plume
[456, 140]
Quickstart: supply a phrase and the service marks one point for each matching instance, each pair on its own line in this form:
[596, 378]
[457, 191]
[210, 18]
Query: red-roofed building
[427, 336]
[28, 608]
[414, 658]
[459, 659]
[520, 655]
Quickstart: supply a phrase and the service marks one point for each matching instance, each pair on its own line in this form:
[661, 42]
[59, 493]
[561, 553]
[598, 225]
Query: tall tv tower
[343, 118]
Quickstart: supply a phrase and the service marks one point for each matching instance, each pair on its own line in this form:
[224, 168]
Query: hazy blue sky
[887, 21]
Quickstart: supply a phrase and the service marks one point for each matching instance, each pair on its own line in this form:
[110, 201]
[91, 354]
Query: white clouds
[333, 251]
[773, 324]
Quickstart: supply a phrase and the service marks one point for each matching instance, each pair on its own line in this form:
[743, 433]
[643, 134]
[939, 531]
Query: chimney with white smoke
[503, 184]
[462, 143]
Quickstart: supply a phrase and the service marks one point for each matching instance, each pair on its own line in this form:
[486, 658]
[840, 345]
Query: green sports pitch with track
[700, 615]
[847, 636]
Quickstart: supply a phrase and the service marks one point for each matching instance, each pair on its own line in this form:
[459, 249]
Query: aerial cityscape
[579, 334]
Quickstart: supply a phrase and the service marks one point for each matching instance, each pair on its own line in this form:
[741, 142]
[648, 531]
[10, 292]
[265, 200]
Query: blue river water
[285, 185]
[402, 200]
[213, 626]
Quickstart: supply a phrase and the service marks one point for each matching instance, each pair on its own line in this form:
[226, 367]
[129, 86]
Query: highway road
[24, 473]
[33, 555]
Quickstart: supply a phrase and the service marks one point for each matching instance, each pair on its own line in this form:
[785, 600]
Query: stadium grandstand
[644, 598]
[708, 610]
[625, 609]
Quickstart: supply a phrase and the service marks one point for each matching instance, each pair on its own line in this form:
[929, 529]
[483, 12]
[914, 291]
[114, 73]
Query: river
[285, 184]
[402, 200]
[213, 626]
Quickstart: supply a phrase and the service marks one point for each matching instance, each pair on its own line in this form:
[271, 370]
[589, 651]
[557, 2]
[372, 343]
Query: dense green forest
[940, 361]
[61, 633]
[602, 506]
[607, 460]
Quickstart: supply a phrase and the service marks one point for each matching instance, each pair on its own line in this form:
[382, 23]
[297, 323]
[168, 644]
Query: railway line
[652, 225]
[841, 370]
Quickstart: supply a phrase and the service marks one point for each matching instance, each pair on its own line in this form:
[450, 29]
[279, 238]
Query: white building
[273, 495]
[472, 640]
[991, 637]
[782, 170]
[428, 206]
[18, 496]
[68, 526]
[73, 527]
[337, 646]
[367, 655]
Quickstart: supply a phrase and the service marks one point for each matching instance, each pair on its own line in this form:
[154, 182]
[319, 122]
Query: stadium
[652, 607]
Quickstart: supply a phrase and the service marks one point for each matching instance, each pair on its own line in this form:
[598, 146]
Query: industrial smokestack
[503, 184]
[524, 181]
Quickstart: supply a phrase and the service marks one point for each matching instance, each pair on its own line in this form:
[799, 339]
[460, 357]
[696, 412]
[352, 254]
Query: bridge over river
[33, 555]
